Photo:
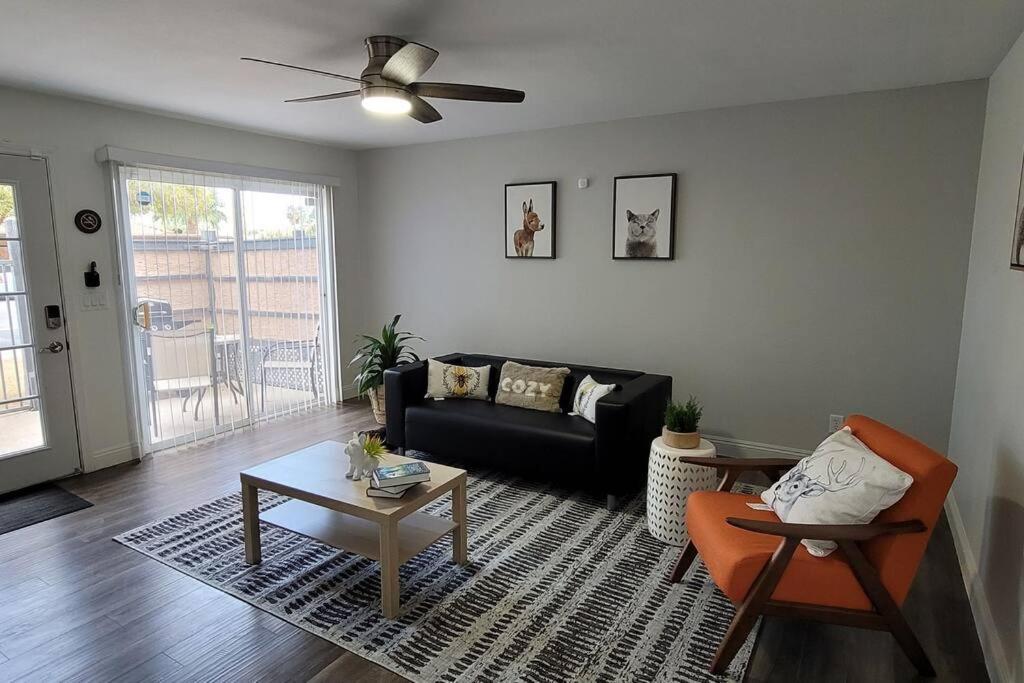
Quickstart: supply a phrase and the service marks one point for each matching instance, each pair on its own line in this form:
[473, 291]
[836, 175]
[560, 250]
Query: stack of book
[393, 482]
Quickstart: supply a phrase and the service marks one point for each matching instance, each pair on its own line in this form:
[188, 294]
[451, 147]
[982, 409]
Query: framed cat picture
[530, 220]
[643, 217]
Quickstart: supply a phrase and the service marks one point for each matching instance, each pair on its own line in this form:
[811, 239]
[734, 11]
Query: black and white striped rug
[557, 589]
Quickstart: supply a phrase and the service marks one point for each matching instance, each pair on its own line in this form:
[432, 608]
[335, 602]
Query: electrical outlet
[835, 423]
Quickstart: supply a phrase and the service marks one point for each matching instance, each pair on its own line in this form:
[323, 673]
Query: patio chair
[183, 362]
[291, 355]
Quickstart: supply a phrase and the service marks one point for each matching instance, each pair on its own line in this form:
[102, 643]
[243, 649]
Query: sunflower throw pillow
[456, 381]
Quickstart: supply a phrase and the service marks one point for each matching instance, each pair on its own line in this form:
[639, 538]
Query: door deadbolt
[52, 315]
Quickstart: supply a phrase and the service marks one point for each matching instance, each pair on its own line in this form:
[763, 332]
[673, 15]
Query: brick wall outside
[174, 269]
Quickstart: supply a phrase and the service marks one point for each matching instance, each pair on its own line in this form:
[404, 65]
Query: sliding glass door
[227, 278]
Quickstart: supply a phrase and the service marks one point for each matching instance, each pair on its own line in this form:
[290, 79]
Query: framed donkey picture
[530, 220]
[644, 216]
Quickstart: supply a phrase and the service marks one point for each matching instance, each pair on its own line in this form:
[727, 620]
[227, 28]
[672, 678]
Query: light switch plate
[94, 300]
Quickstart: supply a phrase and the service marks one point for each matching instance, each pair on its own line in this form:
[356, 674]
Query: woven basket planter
[377, 404]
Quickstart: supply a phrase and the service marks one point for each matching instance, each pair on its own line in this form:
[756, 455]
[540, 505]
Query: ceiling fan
[388, 84]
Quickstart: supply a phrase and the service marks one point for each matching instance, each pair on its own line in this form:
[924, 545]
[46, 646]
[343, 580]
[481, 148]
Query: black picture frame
[508, 232]
[671, 223]
[1017, 241]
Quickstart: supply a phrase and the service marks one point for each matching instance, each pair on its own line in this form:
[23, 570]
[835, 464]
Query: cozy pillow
[842, 482]
[584, 403]
[456, 381]
[528, 386]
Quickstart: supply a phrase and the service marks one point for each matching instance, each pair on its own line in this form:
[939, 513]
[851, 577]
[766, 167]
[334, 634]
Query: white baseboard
[753, 449]
[109, 457]
[991, 644]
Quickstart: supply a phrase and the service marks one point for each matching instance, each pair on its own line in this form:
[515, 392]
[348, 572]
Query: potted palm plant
[682, 421]
[378, 354]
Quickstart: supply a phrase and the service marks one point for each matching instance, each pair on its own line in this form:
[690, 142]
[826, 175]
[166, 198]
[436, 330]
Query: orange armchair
[759, 563]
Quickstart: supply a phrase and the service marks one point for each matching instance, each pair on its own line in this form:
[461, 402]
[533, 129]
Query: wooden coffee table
[330, 508]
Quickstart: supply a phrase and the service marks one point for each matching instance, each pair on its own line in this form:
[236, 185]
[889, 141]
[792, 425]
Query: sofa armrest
[403, 386]
[406, 385]
[626, 421]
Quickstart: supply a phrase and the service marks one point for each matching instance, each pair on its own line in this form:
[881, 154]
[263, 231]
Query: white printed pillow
[455, 381]
[841, 482]
[584, 403]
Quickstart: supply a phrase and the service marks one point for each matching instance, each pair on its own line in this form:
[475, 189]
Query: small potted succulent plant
[378, 354]
[364, 452]
[682, 421]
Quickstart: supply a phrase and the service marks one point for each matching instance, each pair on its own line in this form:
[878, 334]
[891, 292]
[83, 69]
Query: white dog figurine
[360, 464]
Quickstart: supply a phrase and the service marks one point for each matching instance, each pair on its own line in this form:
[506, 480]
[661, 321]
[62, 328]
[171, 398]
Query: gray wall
[987, 437]
[821, 255]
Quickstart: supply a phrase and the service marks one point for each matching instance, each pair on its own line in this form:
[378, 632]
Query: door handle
[142, 308]
[52, 347]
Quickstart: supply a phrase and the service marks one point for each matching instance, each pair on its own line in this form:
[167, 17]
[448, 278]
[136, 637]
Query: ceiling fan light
[384, 100]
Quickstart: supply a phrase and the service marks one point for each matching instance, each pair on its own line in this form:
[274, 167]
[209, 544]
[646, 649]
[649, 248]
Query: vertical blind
[236, 266]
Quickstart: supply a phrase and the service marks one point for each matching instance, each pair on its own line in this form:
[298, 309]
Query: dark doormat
[37, 504]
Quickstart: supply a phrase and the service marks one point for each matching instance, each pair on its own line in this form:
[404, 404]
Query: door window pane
[17, 374]
[22, 426]
[8, 219]
[20, 420]
[12, 269]
[14, 326]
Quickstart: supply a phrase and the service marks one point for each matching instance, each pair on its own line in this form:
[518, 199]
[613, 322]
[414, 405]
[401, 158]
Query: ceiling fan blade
[328, 96]
[302, 68]
[409, 63]
[461, 91]
[422, 111]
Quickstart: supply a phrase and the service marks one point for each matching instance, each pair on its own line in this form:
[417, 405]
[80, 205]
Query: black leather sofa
[609, 457]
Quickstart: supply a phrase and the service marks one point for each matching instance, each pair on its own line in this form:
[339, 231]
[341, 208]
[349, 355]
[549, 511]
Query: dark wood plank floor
[74, 605]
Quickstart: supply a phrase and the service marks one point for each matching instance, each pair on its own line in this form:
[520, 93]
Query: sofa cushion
[550, 446]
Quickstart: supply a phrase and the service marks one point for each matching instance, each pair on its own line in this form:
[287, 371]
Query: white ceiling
[577, 60]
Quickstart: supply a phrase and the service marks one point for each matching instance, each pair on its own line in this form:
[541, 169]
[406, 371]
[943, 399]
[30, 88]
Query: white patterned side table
[670, 482]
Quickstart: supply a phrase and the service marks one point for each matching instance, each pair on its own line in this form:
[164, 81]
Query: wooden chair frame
[885, 617]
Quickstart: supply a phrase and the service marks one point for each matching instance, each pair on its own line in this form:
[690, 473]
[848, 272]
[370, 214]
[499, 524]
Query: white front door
[38, 435]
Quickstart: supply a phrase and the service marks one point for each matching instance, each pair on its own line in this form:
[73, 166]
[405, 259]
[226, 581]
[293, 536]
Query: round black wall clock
[88, 221]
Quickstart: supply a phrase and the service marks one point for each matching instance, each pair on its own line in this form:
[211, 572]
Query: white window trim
[139, 158]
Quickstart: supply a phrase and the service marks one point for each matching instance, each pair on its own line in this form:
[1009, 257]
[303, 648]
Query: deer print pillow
[841, 482]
